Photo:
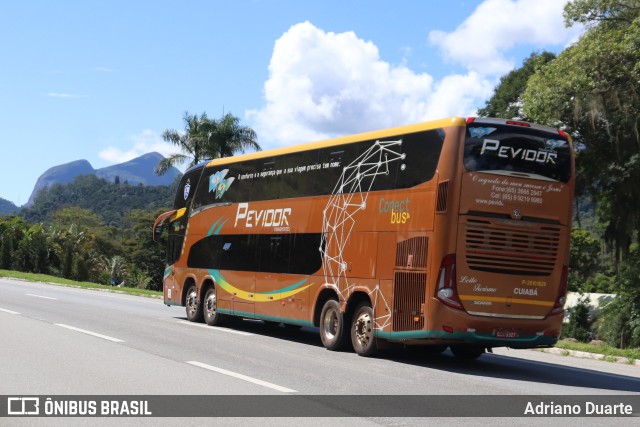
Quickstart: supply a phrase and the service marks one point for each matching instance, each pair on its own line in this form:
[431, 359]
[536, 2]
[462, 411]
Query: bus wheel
[362, 337]
[467, 352]
[194, 307]
[332, 331]
[210, 308]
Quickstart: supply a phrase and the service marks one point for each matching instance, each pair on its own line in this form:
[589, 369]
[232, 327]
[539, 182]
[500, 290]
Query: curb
[595, 356]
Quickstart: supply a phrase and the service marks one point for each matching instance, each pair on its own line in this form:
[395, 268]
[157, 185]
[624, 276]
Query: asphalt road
[64, 341]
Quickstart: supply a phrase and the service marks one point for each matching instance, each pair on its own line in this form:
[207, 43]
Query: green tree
[147, 256]
[192, 142]
[580, 320]
[32, 254]
[506, 101]
[228, 137]
[593, 90]
[621, 317]
[70, 244]
[73, 215]
[204, 139]
[12, 231]
[584, 258]
[590, 11]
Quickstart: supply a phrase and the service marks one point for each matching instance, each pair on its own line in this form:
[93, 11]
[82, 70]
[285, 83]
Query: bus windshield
[497, 148]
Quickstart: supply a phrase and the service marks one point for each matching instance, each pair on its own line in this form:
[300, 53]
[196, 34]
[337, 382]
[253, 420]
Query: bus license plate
[507, 333]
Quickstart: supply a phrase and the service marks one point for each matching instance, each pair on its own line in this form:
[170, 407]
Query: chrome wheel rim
[192, 302]
[210, 303]
[330, 324]
[363, 329]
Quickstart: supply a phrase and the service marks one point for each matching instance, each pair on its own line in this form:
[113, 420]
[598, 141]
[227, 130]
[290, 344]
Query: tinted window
[175, 239]
[491, 148]
[400, 161]
[273, 253]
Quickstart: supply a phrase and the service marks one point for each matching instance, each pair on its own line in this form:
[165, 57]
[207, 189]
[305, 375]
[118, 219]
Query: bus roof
[382, 133]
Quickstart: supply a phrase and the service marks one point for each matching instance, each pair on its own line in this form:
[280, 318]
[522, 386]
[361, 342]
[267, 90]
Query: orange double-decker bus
[452, 233]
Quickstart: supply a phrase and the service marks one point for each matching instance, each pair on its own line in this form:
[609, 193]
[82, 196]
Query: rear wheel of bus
[193, 305]
[210, 308]
[332, 331]
[362, 337]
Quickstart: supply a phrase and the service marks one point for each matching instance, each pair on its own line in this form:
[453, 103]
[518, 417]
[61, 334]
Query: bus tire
[210, 308]
[332, 331]
[467, 352]
[362, 335]
[193, 305]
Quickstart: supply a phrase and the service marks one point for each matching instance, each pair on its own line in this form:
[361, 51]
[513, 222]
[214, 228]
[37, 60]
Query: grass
[608, 353]
[31, 277]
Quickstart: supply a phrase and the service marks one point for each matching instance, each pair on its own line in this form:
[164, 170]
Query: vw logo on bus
[516, 214]
[187, 188]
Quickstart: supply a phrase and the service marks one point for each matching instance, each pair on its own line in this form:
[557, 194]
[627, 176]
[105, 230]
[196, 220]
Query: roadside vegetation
[631, 354]
[45, 278]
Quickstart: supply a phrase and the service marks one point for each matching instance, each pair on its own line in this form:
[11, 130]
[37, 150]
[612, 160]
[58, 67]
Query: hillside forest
[100, 231]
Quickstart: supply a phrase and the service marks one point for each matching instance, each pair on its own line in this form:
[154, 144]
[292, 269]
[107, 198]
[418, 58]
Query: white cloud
[145, 142]
[496, 26]
[322, 84]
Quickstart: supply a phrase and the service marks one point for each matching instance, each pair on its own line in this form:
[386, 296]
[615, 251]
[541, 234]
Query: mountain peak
[135, 171]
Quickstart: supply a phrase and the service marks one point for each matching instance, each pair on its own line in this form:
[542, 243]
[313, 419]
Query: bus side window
[175, 239]
[332, 161]
[422, 153]
[269, 179]
[274, 253]
[297, 180]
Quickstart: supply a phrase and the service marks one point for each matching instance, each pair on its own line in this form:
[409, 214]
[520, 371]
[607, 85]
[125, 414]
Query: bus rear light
[470, 120]
[448, 329]
[516, 123]
[446, 291]
[558, 307]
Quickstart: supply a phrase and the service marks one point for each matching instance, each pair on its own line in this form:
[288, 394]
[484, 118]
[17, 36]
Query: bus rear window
[495, 148]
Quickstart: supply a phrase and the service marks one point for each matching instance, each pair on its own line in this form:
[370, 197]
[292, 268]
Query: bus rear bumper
[479, 339]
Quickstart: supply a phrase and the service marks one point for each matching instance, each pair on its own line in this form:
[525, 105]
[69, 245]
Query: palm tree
[191, 142]
[204, 139]
[228, 137]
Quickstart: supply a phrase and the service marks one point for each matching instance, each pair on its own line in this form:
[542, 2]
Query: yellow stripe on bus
[506, 300]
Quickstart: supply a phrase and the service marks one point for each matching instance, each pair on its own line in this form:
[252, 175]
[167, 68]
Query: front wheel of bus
[467, 352]
[193, 305]
[210, 308]
[332, 330]
[362, 337]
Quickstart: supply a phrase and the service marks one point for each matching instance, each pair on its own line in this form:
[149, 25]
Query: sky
[101, 81]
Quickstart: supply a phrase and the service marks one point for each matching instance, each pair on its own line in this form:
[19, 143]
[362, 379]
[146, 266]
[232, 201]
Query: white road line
[95, 334]
[41, 296]
[8, 311]
[242, 377]
[215, 328]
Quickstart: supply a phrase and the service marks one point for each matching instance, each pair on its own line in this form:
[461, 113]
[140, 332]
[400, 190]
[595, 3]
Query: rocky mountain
[136, 171]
